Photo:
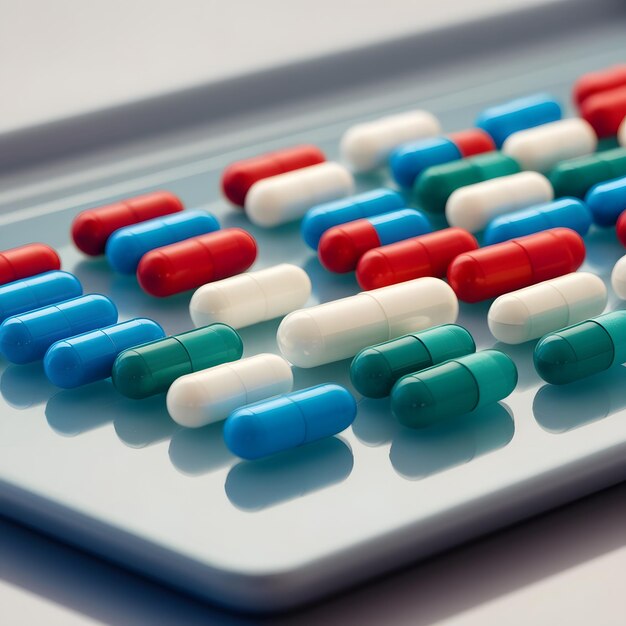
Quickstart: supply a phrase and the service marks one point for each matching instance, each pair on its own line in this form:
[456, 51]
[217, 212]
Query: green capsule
[436, 184]
[575, 177]
[152, 367]
[453, 388]
[375, 370]
[583, 349]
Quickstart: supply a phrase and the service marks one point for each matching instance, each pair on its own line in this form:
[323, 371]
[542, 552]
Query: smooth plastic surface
[618, 278]
[607, 201]
[375, 370]
[605, 111]
[621, 134]
[27, 260]
[494, 270]
[150, 369]
[598, 81]
[288, 421]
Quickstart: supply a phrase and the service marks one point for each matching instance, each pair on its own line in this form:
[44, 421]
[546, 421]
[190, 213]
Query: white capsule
[621, 133]
[211, 395]
[339, 329]
[542, 147]
[287, 197]
[534, 311]
[250, 298]
[474, 206]
[618, 278]
[367, 146]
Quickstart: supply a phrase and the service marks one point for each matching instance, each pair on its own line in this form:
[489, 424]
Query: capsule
[605, 111]
[607, 201]
[503, 120]
[436, 184]
[618, 278]
[128, 245]
[532, 312]
[375, 370]
[424, 398]
[562, 213]
[542, 147]
[28, 260]
[196, 261]
[367, 146]
[597, 82]
[238, 177]
[251, 298]
[289, 420]
[576, 177]
[211, 395]
[151, 368]
[474, 206]
[38, 291]
[337, 330]
[621, 134]
[92, 228]
[417, 257]
[287, 197]
[582, 350]
[408, 161]
[26, 337]
[320, 218]
[620, 228]
[341, 247]
[90, 356]
[494, 270]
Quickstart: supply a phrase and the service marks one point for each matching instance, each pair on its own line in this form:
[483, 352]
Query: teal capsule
[375, 370]
[452, 388]
[583, 349]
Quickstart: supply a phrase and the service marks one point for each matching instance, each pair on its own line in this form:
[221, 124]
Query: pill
[436, 184]
[495, 270]
[575, 177]
[211, 395]
[90, 356]
[150, 369]
[542, 147]
[287, 197]
[27, 336]
[251, 298]
[341, 247]
[289, 420]
[423, 398]
[605, 111]
[339, 329]
[193, 262]
[621, 134]
[503, 120]
[620, 228]
[128, 245]
[92, 228]
[417, 257]
[583, 349]
[474, 206]
[28, 260]
[532, 312]
[238, 177]
[324, 216]
[596, 82]
[367, 146]
[562, 213]
[618, 278]
[607, 201]
[375, 370]
[408, 161]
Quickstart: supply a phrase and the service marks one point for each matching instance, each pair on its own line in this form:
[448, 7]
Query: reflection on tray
[374, 424]
[337, 372]
[254, 485]
[24, 386]
[416, 454]
[260, 338]
[603, 250]
[140, 423]
[326, 285]
[522, 354]
[474, 318]
[559, 408]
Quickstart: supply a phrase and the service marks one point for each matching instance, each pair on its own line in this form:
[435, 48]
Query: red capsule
[92, 228]
[494, 270]
[240, 176]
[426, 255]
[472, 141]
[28, 260]
[620, 227]
[605, 111]
[194, 262]
[596, 82]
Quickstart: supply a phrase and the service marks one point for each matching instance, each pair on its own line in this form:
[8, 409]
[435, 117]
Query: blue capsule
[564, 212]
[36, 292]
[505, 119]
[399, 225]
[126, 246]
[607, 201]
[26, 337]
[289, 420]
[89, 357]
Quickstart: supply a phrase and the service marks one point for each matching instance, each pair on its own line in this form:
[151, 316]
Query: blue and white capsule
[607, 201]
